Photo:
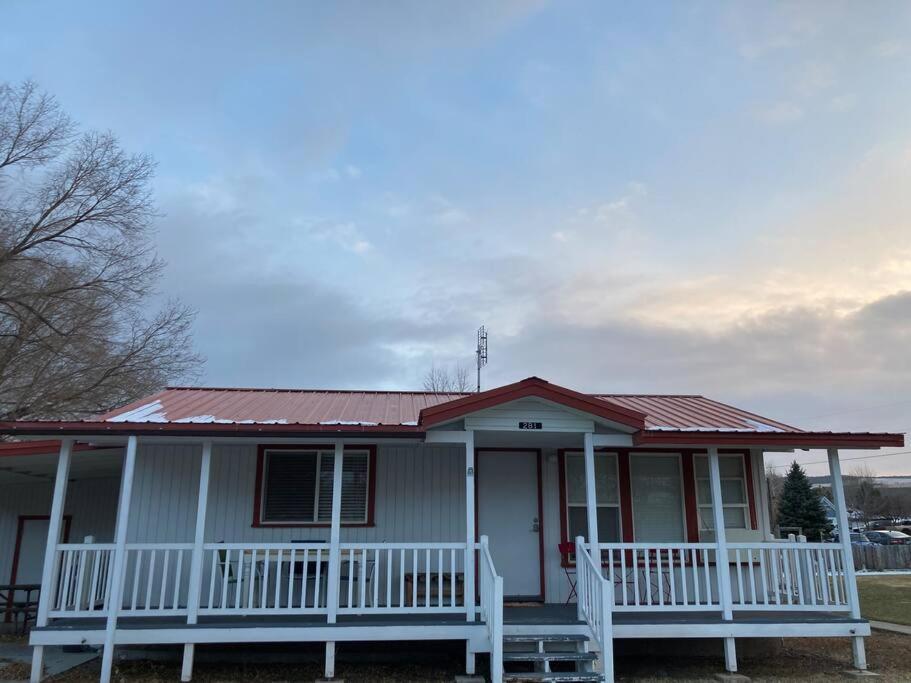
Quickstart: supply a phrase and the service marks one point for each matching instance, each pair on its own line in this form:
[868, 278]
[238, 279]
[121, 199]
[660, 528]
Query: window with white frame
[607, 493]
[297, 486]
[734, 499]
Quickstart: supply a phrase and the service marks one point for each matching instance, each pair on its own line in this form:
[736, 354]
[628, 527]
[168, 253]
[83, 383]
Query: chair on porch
[249, 571]
[567, 550]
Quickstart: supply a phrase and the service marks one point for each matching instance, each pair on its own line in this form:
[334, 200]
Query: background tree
[456, 381]
[863, 493]
[799, 505]
[78, 330]
[775, 484]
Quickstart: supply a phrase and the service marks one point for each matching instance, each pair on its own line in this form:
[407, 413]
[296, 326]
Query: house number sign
[531, 425]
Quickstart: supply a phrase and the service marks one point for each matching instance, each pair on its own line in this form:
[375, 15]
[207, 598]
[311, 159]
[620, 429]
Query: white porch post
[721, 556]
[120, 540]
[591, 501]
[844, 539]
[334, 552]
[50, 552]
[469, 526]
[196, 563]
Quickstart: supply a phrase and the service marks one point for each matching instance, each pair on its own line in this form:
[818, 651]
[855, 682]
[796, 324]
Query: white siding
[91, 503]
[506, 417]
[420, 496]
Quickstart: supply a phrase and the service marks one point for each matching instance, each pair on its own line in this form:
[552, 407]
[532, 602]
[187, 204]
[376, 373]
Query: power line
[856, 410]
[859, 457]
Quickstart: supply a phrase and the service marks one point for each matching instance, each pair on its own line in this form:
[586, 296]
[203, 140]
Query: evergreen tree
[799, 505]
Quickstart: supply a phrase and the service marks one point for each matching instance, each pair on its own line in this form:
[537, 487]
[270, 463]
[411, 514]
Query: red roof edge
[534, 387]
[791, 439]
[13, 448]
[200, 429]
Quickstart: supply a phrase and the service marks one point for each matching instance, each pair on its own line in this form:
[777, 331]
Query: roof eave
[83, 429]
[779, 439]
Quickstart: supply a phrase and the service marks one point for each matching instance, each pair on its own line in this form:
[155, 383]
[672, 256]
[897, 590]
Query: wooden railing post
[591, 495]
[469, 527]
[115, 591]
[844, 540]
[722, 561]
[334, 554]
[49, 572]
[193, 592]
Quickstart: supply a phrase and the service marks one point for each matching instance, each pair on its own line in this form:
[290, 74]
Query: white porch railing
[595, 605]
[491, 608]
[81, 579]
[401, 578]
[658, 577]
[264, 578]
[261, 578]
[788, 576]
[661, 576]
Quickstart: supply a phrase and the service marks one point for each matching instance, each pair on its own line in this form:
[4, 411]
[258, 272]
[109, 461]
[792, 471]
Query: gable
[508, 417]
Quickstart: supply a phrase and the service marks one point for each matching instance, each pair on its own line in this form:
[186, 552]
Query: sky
[662, 197]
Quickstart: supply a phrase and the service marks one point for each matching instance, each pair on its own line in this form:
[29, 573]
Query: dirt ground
[800, 659]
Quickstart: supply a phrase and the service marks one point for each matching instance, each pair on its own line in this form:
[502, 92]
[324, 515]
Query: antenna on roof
[481, 352]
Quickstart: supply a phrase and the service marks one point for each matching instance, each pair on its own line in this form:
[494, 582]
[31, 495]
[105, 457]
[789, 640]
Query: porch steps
[536, 653]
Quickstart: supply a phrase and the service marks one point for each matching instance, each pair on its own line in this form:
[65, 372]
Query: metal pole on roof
[481, 352]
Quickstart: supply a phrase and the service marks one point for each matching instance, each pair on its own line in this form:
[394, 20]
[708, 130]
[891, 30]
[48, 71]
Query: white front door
[508, 514]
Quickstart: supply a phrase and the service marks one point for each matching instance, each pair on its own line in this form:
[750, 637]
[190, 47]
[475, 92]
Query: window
[734, 500]
[607, 494]
[657, 493]
[296, 486]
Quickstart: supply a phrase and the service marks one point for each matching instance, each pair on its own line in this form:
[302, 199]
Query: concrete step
[555, 676]
[549, 656]
[550, 638]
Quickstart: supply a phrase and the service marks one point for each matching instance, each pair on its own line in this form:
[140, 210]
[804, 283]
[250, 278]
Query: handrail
[491, 589]
[596, 597]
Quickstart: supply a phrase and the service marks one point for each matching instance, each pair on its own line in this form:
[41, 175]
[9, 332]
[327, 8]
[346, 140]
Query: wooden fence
[880, 557]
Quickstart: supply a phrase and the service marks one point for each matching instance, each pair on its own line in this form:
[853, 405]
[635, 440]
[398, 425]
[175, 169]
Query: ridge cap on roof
[321, 391]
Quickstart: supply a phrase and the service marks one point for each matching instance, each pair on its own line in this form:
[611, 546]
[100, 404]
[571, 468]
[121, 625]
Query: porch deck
[544, 618]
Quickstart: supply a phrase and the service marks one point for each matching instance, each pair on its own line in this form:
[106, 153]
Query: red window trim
[691, 517]
[258, 491]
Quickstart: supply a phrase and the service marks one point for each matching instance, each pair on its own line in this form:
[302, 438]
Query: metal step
[549, 656]
[550, 638]
[555, 676]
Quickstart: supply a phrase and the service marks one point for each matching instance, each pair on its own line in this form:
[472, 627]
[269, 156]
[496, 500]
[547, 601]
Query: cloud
[889, 48]
[781, 113]
[343, 233]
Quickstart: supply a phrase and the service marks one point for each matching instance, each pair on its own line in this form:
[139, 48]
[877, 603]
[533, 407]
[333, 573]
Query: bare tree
[862, 493]
[77, 269]
[442, 379]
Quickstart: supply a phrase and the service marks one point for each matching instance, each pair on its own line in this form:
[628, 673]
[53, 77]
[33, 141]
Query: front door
[509, 514]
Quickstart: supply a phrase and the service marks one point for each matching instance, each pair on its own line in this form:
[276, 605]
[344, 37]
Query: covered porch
[523, 471]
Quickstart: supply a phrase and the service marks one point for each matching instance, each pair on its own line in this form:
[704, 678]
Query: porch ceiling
[486, 439]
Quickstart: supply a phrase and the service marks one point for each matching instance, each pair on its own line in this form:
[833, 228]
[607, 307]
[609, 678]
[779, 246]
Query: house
[519, 520]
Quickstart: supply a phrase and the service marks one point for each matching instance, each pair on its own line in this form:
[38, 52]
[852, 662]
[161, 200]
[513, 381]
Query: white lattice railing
[490, 587]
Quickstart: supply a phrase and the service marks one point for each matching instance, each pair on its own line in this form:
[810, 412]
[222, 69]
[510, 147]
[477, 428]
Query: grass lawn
[885, 598]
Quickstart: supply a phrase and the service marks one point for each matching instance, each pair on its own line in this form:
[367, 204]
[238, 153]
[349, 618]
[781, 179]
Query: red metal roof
[659, 419]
